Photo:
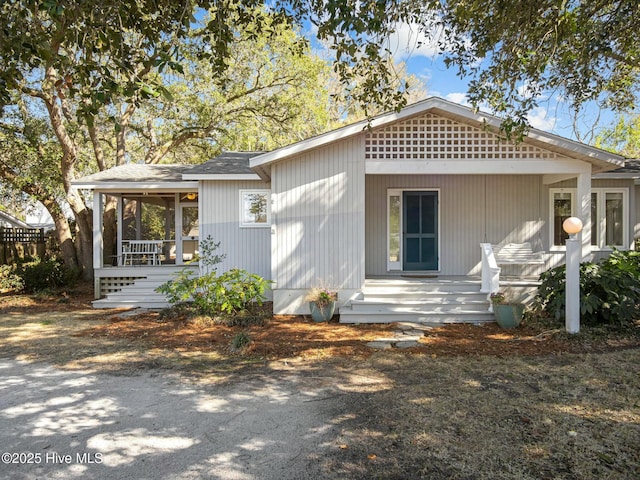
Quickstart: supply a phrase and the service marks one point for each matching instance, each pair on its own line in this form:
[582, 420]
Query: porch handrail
[490, 272]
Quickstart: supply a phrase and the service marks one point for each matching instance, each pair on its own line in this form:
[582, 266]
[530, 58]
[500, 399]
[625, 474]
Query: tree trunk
[84, 223]
[63, 234]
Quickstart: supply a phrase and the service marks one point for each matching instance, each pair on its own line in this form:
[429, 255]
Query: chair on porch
[137, 252]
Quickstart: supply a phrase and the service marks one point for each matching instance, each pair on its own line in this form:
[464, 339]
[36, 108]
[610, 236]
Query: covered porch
[151, 225]
[156, 234]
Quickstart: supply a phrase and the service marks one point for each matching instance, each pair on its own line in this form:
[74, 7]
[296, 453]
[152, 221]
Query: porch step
[416, 305]
[130, 303]
[424, 318]
[429, 301]
[140, 294]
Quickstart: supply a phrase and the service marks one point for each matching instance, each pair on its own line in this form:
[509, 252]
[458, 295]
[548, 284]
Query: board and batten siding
[473, 209]
[318, 234]
[245, 248]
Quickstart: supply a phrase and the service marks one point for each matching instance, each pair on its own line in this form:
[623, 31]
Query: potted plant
[322, 304]
[508, 313]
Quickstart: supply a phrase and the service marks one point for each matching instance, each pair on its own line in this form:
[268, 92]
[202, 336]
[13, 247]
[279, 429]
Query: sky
[552, 114]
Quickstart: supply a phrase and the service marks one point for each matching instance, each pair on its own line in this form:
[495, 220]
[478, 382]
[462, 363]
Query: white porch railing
[490, 272]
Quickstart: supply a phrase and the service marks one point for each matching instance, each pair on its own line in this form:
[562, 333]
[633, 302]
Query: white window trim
[552, 191]
[244, 224]
[601, 228]
[398, 266]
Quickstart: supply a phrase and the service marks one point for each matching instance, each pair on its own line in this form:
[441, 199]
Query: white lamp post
[573, 226]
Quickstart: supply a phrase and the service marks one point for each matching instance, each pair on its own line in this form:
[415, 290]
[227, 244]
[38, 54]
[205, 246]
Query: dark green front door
[420, 231]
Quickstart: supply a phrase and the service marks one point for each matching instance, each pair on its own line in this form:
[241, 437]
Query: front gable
[434, 137]
[437, 136]
[435, 144]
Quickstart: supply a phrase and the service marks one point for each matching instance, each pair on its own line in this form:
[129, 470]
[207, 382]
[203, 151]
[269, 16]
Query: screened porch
[152, 229]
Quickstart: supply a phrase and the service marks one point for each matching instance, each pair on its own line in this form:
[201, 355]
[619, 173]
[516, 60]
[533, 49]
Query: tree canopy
[86, 87]
[512, 51]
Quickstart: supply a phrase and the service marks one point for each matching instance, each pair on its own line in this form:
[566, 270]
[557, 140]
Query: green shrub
[609, 290]
[37, 275]
[229, 293]
[211, 294]
[9, 280]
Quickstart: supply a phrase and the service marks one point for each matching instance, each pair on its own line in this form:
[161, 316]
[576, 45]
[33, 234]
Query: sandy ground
[86, 394]
[76, 424]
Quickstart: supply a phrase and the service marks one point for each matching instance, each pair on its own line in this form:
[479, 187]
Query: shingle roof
[227, 163]
[138, 173]
[630, 166]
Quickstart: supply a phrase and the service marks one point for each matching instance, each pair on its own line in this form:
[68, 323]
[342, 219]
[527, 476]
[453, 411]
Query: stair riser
[149, 305]
[427, 297]
[432, 319]
[420, 288]
[419, 308]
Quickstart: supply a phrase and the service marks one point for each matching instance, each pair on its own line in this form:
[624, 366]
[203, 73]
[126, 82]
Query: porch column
[583, 211]
[139, 219]
[97, 241]
[97, 229]
[119, 223]
[178, 229]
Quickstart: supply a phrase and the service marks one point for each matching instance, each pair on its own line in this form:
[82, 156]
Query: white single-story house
[374, 210]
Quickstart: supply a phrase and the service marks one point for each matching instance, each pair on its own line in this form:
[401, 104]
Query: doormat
[420, 276]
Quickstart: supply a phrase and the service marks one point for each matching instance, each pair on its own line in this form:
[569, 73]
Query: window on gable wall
[609, 223]
[255, 210]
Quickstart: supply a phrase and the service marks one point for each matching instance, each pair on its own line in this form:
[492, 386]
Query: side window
[562, 208]
[255, 210]
[609, 216]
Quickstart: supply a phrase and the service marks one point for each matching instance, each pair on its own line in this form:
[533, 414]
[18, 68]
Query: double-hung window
[609, 216]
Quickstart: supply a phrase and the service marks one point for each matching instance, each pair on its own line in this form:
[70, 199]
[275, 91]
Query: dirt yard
[97, 335]
[469, 402]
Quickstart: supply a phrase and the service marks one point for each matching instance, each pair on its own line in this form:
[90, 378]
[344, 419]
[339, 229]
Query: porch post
[97, 241]
[97, 229]
[572, 226]
[138, 218]
[178, 230]
[119, 229]
[583, 212]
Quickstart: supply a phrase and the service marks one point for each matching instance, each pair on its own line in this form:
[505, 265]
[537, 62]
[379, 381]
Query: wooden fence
[21, 243]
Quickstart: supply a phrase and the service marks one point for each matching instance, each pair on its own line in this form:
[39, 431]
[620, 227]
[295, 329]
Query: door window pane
[429, 252]
[413, 213]
[428, 214]
[413, 250]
